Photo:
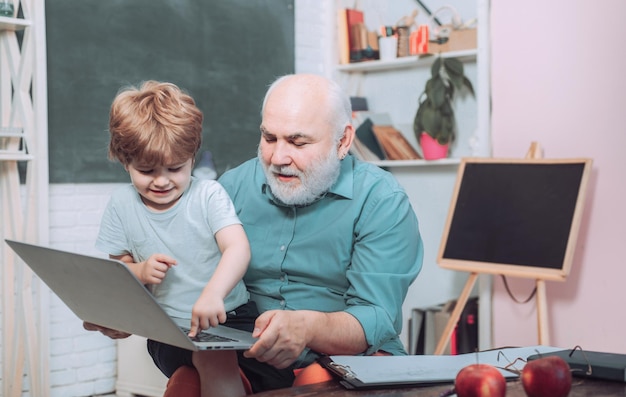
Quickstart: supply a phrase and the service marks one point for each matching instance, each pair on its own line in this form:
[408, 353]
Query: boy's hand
[208, 311]
[153, 270]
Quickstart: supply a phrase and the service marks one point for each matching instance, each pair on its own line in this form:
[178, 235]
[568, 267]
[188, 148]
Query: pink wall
[559, 78]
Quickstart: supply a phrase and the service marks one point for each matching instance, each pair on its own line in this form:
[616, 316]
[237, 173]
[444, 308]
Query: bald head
[309, 95]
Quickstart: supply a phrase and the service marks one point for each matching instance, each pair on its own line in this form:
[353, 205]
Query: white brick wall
[83, 363]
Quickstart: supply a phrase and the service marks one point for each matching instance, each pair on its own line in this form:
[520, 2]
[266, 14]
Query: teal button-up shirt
[357, 249]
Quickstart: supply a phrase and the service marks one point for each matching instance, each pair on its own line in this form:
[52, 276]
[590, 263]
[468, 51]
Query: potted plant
[434, 124]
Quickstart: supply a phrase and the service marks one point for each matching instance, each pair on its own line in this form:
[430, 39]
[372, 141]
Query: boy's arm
[209, 308]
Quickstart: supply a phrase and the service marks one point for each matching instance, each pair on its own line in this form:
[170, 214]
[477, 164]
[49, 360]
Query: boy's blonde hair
[156, 123]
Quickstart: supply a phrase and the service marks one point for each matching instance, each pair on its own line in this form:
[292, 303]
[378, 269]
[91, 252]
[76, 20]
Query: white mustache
[283, 171]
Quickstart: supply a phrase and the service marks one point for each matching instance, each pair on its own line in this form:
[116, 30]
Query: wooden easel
[542, 309]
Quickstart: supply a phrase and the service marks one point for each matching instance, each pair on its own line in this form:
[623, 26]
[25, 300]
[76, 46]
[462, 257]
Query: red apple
[547, 377]
[480, 380]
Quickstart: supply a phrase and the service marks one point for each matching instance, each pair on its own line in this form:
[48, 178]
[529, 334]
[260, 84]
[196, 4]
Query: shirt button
[282, 278]
[282, 247]
[282, 303]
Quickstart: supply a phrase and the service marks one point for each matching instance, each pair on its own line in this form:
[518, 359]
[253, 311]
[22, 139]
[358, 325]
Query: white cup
[388, 47]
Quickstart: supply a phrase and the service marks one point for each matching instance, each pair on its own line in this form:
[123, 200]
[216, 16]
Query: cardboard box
[459, 40]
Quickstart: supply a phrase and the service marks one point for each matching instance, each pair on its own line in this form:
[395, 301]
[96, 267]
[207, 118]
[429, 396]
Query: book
[430, 333]
[609, 366]
[466, 336]
[343, 39]
[441, 318]
[354, 21]
[394, 144]
[416, 329]
[355, 42]
[362, 152]
[366, 136]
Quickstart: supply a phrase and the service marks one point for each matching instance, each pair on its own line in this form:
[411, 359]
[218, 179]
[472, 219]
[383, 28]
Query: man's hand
[284, 334]
[111, 333]
[282, 337]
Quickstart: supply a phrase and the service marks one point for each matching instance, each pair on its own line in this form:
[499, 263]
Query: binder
[609, 366]
[423, 333]
[363, 372]
[427, 325]
[416, 329]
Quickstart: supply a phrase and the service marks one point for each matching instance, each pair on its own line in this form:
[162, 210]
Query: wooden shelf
[404, 62]
[13, 24]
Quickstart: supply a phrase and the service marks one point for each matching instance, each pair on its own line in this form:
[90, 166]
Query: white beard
[314, 182]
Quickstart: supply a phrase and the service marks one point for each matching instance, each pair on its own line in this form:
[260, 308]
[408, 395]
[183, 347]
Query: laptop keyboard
[205, 336]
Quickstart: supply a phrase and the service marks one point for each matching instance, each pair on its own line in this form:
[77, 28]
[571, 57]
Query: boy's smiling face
[160, 186]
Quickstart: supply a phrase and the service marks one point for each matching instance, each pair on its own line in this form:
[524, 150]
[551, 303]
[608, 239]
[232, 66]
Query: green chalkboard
[222, 52]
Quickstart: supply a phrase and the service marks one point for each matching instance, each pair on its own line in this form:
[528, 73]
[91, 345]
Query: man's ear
[346, 141]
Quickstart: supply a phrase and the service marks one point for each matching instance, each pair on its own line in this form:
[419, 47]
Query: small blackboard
[224, 53]
[515, 217]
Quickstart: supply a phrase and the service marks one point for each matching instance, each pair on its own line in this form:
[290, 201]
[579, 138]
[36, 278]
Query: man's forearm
[335, 333]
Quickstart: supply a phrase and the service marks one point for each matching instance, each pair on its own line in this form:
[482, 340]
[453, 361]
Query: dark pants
[261, 376]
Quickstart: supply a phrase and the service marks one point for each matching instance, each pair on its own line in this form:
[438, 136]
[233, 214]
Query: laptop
[105, 292]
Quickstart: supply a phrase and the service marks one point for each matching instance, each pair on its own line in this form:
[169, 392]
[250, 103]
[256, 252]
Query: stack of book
[377, 139]
[356, 43]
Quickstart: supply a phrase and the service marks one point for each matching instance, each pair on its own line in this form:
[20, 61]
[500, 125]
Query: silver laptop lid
[105, 292]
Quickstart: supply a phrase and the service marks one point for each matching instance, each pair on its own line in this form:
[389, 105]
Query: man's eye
[269, 139]
[298, 143]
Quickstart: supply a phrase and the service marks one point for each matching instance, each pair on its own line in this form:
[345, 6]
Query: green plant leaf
[447, 132]
[457, 82]
[468, 84]
[438, 92]
[453, 67]
[435, 70]
[431, 121]
[446, 110]
[417, 122]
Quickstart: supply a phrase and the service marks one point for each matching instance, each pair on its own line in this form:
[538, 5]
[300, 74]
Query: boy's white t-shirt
[184, 232]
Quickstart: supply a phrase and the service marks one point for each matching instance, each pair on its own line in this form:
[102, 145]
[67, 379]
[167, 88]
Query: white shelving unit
[405, 62]
[394, 87]
[23, 197]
